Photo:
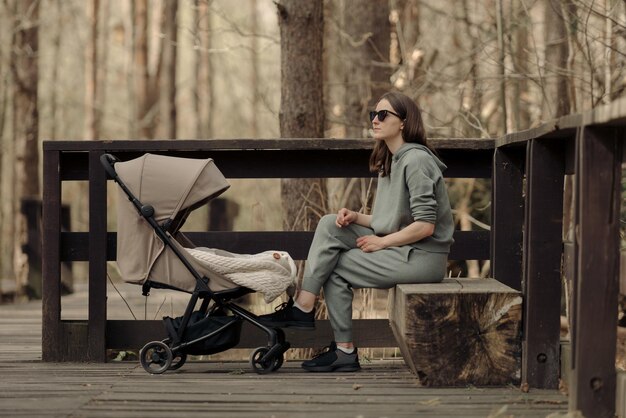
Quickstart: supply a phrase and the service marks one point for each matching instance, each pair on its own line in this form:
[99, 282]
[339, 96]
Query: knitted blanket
[269, 272]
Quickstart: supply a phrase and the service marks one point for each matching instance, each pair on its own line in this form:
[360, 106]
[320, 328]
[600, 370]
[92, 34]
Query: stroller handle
[108, 161]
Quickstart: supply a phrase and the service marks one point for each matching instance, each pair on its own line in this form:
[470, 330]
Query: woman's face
[388, 128]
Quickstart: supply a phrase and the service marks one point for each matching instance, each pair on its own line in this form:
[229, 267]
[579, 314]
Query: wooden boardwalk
[384, 388]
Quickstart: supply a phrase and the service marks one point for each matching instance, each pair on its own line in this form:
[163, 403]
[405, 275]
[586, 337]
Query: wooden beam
[97, 258]
[598, 180]
[542, 263]
[468, 245]
[508, 216]
[51, 258]
[130, 334]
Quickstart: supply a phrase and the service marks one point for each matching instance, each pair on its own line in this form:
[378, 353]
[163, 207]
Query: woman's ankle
[347, 348]
[305, 309]
[305, 301]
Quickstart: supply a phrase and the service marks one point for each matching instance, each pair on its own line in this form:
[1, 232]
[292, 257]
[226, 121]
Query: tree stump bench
[459, 332]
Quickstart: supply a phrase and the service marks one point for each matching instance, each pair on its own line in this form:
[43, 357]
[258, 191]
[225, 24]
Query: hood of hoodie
[409, 145]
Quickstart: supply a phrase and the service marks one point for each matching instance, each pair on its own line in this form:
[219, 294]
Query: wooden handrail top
[274, 158]
[612, 114]
[251, 144]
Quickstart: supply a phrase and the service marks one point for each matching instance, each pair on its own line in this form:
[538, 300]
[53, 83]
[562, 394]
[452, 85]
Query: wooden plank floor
[384, 388]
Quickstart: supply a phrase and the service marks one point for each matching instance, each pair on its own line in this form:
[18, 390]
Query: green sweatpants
[337, 265]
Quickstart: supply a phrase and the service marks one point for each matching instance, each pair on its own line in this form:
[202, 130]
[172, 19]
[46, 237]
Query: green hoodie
[414, 191]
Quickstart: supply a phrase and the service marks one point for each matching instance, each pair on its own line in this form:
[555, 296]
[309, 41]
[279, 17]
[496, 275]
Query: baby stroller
[157, 194]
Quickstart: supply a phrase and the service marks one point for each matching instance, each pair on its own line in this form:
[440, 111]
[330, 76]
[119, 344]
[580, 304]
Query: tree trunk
[378, 49]
[6, 173]
[92, 114]
[556, 98]
[56, 45]
[366, 52]
[520, 57]
[204, 95]
[500, 23]
[103, 73]
[24, 66]
[475, 128]
[334, 70]
[146, 84]
[168, 80]
[254, 63]
[301, 109]
[140, 67]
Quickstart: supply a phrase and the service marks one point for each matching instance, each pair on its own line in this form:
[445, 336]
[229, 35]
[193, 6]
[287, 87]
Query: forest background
[203, 69]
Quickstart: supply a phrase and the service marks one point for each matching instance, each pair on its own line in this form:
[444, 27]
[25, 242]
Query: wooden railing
[282, 158]
[527, 249]
[527, 242]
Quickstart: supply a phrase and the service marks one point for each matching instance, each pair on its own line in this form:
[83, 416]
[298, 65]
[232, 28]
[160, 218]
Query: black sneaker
[333, 360]
[288, 316]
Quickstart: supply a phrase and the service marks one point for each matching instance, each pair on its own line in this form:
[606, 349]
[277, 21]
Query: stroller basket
[205, 334]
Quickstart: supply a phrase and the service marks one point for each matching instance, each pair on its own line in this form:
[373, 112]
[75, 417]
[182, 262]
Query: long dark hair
[413, 131]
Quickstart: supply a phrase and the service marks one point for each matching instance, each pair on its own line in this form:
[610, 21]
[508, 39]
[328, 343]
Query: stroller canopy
[173, 186]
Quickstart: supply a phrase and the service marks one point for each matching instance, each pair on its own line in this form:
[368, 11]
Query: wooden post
[545, 167]
[598, 174]
[508, 216]
[51, 259]
[97, 259]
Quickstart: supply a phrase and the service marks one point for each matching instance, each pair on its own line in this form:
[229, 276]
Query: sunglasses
[382, 114]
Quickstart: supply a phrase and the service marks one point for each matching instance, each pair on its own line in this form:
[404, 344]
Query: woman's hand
[370, 243]
[414, 232]
[345, 217]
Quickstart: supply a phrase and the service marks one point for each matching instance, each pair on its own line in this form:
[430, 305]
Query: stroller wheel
[278, 362]
[156, 357]
[267, 366]
[178, 361]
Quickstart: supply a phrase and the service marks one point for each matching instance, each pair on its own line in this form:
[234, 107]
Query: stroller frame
[156, 357]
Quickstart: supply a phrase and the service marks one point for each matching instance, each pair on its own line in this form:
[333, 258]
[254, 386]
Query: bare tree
[203, 96]
[168, 76]
[146, 83]
[25, 72]
[556, 102]
[254, 70]
[301, 109]
[6, 206]
[520, 62]
[92, 110]
[56, 47]
[361, 19]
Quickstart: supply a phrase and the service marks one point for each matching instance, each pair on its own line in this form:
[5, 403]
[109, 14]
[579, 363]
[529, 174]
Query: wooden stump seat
[459, 332]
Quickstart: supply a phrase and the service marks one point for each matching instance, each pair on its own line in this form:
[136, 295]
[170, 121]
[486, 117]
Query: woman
[406, 239]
